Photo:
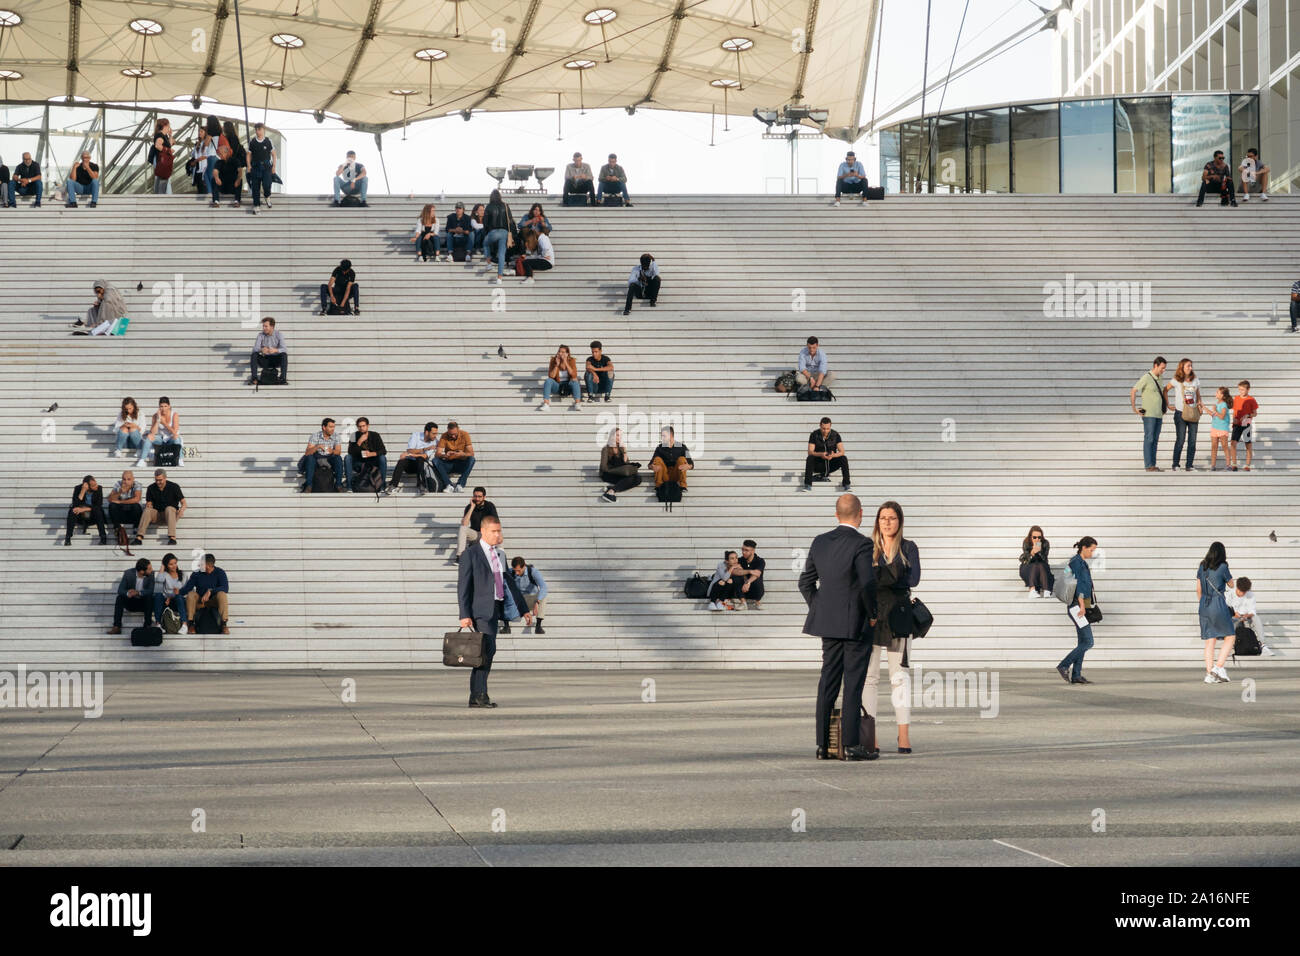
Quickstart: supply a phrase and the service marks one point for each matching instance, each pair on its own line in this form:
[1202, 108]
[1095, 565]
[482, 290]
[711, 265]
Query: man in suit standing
[836, 573]
[485, 590]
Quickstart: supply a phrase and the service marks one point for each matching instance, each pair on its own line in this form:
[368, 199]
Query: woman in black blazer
[1034, 569]
[897, 564]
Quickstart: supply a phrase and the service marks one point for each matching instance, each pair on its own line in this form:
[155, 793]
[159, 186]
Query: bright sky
[671, 152]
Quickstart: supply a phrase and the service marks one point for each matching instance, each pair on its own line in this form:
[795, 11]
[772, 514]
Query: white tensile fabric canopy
[357, 59]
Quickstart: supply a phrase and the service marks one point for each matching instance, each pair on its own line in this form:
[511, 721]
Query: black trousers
[1295, 314]
[142, 602]
[535, 265]
[820, 466]
[1037, 575]
[635, 291]
[478, 677]
[574, 186]
[354, 295]
[279, 360]
[95, 516]
[1222, 186]
[755, 592]
[620, 483]
[842, 187]
[722, 590]
[128, 516]
[846, 662]
[414, 466]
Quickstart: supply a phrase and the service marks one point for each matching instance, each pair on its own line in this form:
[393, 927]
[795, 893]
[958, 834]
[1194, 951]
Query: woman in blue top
[1216, 620]
[1071, 669]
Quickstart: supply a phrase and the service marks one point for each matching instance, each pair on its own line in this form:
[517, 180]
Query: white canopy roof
[353, 58]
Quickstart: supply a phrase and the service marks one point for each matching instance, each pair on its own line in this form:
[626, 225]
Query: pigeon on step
[139, 286]
[55, 408]
[1272, 535]
[501, 351]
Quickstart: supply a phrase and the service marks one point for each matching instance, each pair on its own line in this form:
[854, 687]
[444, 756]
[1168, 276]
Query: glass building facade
[1130, 144]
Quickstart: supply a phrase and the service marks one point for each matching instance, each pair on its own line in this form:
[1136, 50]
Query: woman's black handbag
[1093, 613]
[910, 619]
[461, 648]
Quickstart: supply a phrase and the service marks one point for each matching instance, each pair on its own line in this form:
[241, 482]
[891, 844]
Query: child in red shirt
[1243, 424]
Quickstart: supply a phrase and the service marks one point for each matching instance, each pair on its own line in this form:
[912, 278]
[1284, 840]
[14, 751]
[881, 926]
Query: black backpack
[322, 483]
[350, 199]
[207, 620]
[269, 375]
[807, 393]
[697, 587]
[786, 382]
[670, 493]
[370, 482]
[1247, 643]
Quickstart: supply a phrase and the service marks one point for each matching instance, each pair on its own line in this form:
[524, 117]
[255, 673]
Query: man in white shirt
[350, 179]
[813, 369]
[1253, 171]
[417, 458]
[643, 282]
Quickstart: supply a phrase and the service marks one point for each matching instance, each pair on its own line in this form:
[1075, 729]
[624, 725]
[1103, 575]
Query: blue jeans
[444, 468]
[612, 188]
[307, 464]
[476, 240]
[31, 189]
[599, 383]
[348, 468]
[551, 386]
[494, 247]
[260, 176]
[129, 440]
[178, 605]
[1150, 438]
[1074, 659]
[146, 446]
[75, 189]
[1184, 431]
[355, 188]
[208, 170]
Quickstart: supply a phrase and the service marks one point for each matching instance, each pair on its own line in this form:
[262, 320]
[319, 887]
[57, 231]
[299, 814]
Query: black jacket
[671, 455]
[835, 578]
[373, 443]
[94, 499]
[1027, 555]
[498, 217]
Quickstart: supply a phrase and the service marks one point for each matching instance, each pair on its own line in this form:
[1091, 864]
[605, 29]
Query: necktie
[499, 587]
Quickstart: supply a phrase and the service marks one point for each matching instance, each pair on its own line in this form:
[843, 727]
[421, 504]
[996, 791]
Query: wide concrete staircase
[957, 396]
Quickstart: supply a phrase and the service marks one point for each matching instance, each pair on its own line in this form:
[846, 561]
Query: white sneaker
[1263, 197]
[1211, 679]
[140, 463]
[527, 281]
[496, 281]
[1032, 595]
[577, 406]
[544, 406]
[835, 203]
[1245, 197]
[715, 606]
[1222, 675]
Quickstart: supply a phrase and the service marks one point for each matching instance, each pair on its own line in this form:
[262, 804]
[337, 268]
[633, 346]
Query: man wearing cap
[577, 178]
[851, 178]
[458, 233]
[613, 180]
[350, 179]
[336, 292]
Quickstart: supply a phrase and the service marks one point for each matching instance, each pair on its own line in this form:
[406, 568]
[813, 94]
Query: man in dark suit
[134, 593]
[485, 590]
[836, 573]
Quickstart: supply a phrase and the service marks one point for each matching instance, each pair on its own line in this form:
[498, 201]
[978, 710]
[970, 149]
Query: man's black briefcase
[462, 648]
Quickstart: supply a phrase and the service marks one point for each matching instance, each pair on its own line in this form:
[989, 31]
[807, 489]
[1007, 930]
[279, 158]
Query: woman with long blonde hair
[889, 611]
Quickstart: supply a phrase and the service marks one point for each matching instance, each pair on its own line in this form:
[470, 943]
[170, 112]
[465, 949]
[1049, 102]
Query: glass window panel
[1142, 145]
[1201, 125]
[1036, 149]
[911, 150]
[990, 151]
[1245, 126]
[890, 166]
[950, 154]
[1088, 147]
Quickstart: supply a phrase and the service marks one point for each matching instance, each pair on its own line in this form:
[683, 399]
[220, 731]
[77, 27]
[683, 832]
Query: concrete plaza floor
[576, 767]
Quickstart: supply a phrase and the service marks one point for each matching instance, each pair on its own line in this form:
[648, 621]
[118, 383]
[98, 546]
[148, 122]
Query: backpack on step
[1247, 643]
[322, 483]
[146, 636]
[786, 382]
[370, 482]
[807, 393]
[207, 620]
[351, 200]
[669, 494]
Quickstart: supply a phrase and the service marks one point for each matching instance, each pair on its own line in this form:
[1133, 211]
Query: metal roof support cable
[875, 86]
[944, 92]
[243, 86]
